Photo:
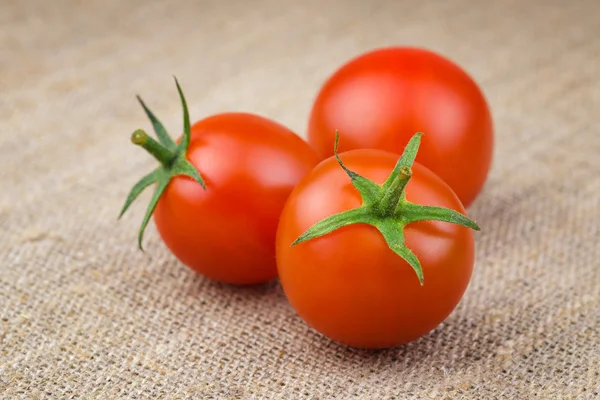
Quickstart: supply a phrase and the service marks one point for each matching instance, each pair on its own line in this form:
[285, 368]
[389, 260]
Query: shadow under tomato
[457, 344]
[200, 284]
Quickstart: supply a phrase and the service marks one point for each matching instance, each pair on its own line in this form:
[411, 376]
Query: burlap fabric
[85, 315]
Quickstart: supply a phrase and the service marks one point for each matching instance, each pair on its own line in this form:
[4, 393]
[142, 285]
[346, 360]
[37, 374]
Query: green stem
[394, 194]
[172, 157]
[385, 207]
[160, 152]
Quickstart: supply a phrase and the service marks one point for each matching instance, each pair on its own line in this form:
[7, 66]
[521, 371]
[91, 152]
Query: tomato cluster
[370, 241]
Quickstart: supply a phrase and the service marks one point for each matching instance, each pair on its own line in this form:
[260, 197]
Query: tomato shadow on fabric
[200, 284]
[460, 334]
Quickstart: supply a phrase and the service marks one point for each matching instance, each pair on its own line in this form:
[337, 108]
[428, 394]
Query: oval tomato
[370, 262]
[380, 98]
[220, 192]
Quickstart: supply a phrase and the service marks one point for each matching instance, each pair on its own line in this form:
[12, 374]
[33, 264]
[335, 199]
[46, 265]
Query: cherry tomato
[380, 98]
[348, 267]
[219, 196]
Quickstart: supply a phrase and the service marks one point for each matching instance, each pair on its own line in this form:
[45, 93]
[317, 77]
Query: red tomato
[349, 284]
[248, 165]
[380, 98]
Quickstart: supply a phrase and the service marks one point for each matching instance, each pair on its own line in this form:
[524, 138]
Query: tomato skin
[381, 98]
[348, 285]
[250, 165]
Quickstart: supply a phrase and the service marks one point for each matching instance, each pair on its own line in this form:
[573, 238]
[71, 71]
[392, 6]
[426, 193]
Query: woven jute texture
[84, 314]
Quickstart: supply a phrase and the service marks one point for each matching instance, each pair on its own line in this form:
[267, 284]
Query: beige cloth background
[84, 314]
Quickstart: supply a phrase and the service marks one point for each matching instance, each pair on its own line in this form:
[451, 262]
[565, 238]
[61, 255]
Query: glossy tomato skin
[348, 285]
[381, 98]
[227, 232]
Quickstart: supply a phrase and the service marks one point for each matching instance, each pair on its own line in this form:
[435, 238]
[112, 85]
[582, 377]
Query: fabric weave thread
[84, 314]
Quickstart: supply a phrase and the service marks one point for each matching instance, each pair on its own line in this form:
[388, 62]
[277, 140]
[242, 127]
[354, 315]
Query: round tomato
[220, 191]
[380, 98]
[377, 253]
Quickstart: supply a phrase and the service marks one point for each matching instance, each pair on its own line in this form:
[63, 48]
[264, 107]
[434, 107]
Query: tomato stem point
[138, 136]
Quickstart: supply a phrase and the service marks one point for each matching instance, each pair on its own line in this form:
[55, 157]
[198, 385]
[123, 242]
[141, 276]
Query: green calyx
[172, 158]
[385, 207]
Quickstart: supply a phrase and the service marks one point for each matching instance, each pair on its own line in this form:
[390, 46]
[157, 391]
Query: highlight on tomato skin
[379, 98]
[374, 251]
[219, 191]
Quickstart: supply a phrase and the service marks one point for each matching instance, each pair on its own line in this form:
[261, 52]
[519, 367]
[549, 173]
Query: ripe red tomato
[248, 166]
[380, 98]
[348, 268]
